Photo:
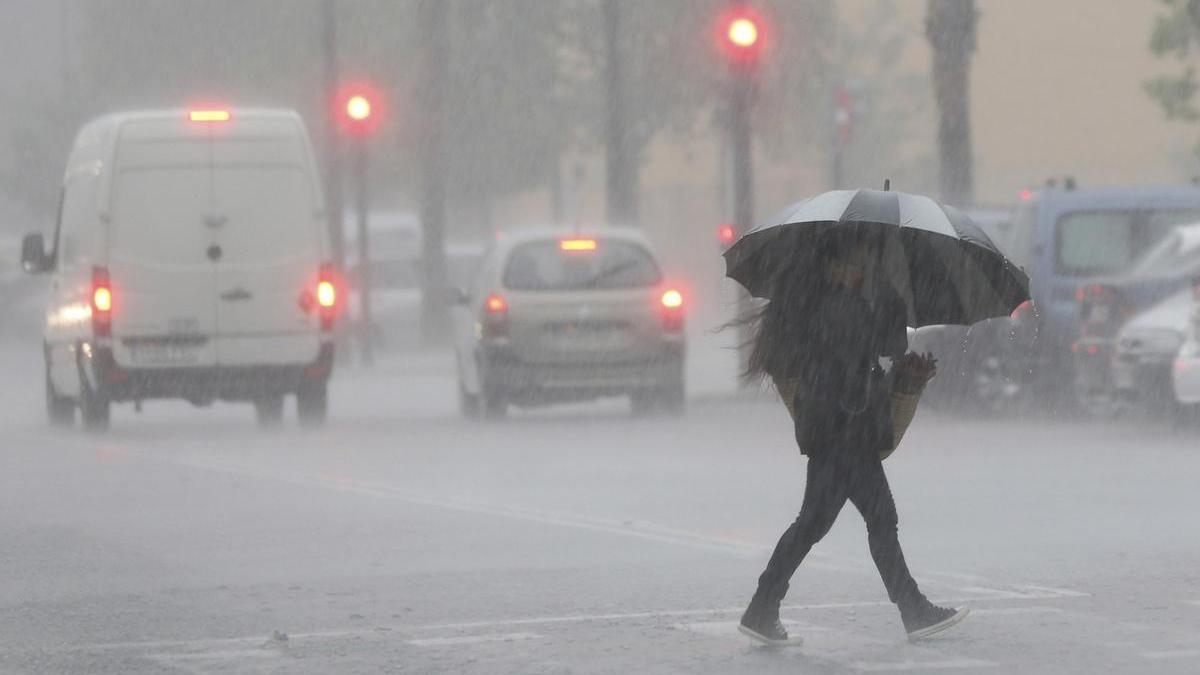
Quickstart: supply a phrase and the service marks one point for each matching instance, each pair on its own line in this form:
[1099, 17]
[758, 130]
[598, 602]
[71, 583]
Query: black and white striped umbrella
[940, 262]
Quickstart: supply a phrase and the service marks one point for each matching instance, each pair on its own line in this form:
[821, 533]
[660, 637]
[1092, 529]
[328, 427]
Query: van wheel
[493, 403]
[269, 411]
[95, 410]
[60, 411]
[312, 405]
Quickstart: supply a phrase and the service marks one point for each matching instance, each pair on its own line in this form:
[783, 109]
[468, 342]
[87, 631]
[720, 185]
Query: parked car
[1185, 378]
[395, 242]
[1067, 239]
[1106, 304]
[555, 317]
[1146, 351]
[190, 260]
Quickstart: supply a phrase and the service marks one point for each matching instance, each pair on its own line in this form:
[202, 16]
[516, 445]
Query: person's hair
[776, 329]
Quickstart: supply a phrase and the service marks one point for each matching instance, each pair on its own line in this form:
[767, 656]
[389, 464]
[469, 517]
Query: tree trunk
[950, 28]
[620, 157]
[435, 52]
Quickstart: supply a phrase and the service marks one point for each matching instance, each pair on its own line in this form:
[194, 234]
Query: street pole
[741, 142]
[361, 201]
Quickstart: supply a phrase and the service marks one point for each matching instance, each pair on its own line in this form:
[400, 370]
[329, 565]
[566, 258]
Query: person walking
[820, 340]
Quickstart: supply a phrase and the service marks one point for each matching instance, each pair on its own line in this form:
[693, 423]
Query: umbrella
[940, 262]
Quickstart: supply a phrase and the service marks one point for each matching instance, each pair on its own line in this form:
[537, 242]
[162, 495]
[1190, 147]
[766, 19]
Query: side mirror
[33, 254]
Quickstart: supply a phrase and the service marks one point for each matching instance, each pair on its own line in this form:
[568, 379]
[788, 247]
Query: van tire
[494, 406]
[60, 411]
[269, 411]
[94, 410]
[312, 405]
[672, 399]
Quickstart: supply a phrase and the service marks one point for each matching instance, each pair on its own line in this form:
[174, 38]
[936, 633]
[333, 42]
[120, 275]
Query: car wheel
[60, 411]
[312, 405]
[95, 410]
[642, 403]
[268, 410]
[468, 404]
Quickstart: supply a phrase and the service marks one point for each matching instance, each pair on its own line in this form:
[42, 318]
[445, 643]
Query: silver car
[555, 317]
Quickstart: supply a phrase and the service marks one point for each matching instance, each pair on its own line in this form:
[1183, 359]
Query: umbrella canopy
[944, 266]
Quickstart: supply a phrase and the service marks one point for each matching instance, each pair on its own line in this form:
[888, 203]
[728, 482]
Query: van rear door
[163, 281]
[270, 238]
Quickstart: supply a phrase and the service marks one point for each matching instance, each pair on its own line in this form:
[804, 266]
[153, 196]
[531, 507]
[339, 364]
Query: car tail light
[327, 296]
[102, 302]
[671, 304]
[495, 316]
[1023, 310]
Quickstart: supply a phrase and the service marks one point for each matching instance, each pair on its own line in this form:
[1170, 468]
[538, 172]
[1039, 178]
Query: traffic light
[358, 109]
[741, 35]
[727, 233]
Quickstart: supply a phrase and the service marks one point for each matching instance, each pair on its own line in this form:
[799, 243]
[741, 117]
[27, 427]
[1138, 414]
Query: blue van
[1066, 239]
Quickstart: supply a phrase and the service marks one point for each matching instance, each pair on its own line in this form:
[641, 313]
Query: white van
[190, 260]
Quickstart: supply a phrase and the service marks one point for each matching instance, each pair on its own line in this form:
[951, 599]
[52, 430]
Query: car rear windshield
[546, 266]
[1104, 242]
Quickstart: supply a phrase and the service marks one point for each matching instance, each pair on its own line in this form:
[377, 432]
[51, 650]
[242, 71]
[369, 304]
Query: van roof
[1058, 201]
[119, 119]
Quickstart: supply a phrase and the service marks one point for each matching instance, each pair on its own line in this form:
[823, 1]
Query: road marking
[474, 639]
[1006, 611]
[887, 667]
[1172, 654]
[1192, 602]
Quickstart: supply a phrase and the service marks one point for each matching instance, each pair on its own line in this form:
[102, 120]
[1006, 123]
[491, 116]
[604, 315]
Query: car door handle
[237, 295]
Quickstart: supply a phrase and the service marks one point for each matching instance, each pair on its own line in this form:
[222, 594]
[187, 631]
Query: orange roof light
[209, 115]
[577, 244]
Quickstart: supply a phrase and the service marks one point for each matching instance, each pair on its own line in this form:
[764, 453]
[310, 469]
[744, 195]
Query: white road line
[1007, 611]
[474, 639]
[888, 667]
[1172, 654]
[636, 529]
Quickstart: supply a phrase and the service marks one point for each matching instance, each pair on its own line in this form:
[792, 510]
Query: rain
[593, 336]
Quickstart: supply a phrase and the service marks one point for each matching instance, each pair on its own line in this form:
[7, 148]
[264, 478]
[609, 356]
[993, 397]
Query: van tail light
[102, 302]
[495, 316]
[327, 296]
[671, 305]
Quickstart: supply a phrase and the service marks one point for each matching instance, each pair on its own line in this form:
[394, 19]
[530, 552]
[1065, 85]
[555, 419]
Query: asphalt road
[401, 539]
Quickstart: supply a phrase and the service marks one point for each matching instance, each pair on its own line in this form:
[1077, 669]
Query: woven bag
[905, 396]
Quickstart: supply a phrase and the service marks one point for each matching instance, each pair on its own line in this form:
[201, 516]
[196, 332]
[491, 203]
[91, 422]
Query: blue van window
[1094, 242]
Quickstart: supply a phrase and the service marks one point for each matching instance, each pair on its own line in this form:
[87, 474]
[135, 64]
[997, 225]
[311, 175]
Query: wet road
[400, 539]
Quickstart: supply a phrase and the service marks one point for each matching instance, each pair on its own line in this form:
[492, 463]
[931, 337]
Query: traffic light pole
[741, 98]
[361, 201]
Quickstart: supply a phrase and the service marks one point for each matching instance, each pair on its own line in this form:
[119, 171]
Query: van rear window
[546, 266]
[1105, 242]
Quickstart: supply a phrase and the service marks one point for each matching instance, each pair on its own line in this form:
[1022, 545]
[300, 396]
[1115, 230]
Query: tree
[1176, 35]
[950, 28]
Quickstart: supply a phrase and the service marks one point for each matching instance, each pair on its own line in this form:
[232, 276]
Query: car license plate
[163, 353]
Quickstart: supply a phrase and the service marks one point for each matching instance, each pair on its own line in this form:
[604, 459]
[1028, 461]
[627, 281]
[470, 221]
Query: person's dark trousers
[833, 477]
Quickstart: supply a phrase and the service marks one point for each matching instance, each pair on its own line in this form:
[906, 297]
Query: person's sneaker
[928, 619]
[766, 629]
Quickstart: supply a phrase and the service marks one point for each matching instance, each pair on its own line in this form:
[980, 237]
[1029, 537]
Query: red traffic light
[741, 34]
[358, 109]
[727, 234]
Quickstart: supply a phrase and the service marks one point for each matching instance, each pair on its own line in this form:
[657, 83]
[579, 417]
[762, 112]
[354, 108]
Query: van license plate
[163, 353]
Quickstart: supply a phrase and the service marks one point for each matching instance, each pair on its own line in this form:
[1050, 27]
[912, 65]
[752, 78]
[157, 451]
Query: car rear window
[546, 266]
